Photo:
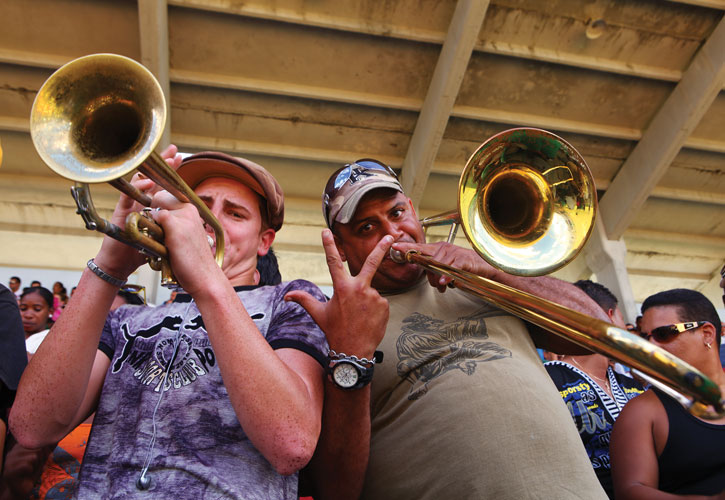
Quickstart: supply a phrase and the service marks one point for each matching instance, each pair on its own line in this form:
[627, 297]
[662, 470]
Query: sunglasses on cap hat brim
[351, 182]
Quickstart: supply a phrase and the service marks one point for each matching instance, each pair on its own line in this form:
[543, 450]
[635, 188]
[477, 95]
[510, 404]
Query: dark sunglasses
[668, 332]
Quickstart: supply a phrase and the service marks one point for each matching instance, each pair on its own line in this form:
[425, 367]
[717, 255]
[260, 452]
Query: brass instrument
[527, 204]
[97, 119]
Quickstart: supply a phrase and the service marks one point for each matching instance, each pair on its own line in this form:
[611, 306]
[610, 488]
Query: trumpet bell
[527, 201]
[98, 118]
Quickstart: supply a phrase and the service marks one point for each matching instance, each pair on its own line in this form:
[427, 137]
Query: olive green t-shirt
[462, 407]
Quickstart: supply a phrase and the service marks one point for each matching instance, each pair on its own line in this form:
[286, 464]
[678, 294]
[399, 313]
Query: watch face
[345, 375]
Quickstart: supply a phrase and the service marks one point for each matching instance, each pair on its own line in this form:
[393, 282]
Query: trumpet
[527, 205]
[97, 119]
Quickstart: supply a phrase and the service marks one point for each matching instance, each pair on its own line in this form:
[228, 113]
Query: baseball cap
[201, 166]
[348, 185]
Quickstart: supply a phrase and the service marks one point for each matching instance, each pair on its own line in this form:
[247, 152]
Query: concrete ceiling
[305, 86]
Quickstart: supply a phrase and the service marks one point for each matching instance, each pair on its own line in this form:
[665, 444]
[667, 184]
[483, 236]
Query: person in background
[129, 294]
[36, 309]
[593, 392]
[35, 283]
[658, 448]
[722, 283]
[461, 406]
[19, 465]
[172, 297]
[60, 299]
[12, 357]
[14, 284]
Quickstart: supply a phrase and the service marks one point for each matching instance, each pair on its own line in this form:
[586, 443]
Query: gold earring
[708, 345]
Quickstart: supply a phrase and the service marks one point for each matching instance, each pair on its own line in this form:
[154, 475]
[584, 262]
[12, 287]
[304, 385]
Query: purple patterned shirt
[200, 449]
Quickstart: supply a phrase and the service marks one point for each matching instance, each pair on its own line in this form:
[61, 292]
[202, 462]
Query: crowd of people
[397, 386]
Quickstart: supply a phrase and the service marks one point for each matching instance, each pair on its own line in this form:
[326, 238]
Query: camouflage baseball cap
[348, 185]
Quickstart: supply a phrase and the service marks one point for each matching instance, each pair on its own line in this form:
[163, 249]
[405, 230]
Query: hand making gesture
[354, 319]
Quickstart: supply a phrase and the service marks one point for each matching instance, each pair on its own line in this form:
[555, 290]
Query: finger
[370, 267]
[142, 183]
[170, 152]
[172, 156]
[334, 262]
[314, 307]
[165, 200]
[433, 279]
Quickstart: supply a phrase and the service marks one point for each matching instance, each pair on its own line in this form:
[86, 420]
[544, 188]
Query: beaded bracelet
[103, 275]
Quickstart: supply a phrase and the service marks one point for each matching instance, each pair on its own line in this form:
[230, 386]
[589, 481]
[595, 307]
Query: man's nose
[393, 229]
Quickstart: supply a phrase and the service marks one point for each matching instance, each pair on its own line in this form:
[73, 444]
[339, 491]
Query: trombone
[99, 118]
[527, 204]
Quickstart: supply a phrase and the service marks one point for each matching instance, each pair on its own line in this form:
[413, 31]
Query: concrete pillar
[606, 259]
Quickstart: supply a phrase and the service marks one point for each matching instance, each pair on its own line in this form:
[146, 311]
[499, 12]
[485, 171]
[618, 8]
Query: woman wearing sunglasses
[658, 449]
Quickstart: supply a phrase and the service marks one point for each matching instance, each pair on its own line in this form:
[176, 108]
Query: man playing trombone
[216, 395]
[461, 406]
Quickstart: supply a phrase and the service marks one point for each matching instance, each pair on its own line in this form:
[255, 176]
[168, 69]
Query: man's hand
[116, 258]
[452, 255]
[186, 239]
[354, 320]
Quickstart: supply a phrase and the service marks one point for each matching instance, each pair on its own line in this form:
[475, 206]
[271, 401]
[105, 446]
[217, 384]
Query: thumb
[314, 307]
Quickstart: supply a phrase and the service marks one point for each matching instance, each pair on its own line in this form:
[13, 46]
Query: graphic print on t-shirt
[150, 356]
[429, 347]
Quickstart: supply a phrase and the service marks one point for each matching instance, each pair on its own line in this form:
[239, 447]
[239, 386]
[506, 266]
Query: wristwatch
[351, 372]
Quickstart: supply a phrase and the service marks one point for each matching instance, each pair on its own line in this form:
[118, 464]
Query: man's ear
[610, 314]
[410, 202]
[709, 334]
[266, 238]
[338, 244]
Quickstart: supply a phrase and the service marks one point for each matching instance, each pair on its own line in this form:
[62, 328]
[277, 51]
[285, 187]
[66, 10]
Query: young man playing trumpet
[216, 395]
[461, 406]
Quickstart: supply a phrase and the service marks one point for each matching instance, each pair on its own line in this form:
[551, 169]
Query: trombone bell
[527, 201]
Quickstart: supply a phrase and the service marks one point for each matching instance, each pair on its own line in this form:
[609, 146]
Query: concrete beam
[442, 167]
[354, 25]
[154, 32]
[711, 4]
[442, 92]
[367, 99]
[665, 136]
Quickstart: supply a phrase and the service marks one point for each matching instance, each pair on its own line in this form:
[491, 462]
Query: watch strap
[364, 367]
